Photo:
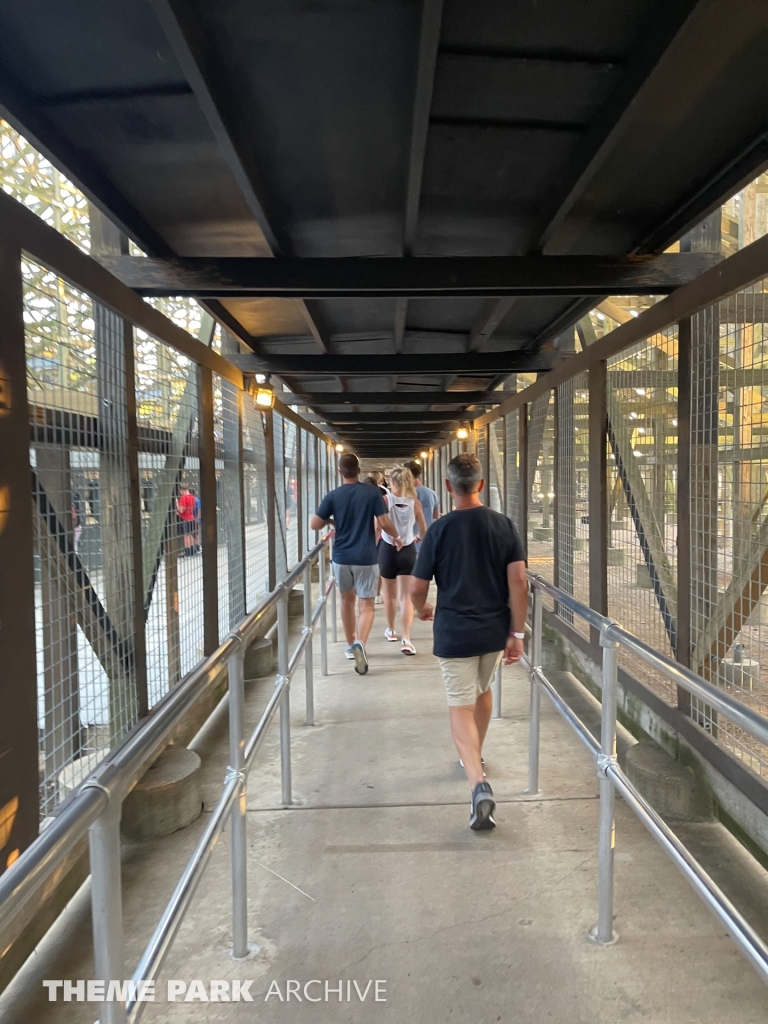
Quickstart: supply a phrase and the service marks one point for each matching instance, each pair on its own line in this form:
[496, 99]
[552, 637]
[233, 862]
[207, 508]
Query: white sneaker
[349, 653]
[407, 647]
[378, 599]
[391, 635]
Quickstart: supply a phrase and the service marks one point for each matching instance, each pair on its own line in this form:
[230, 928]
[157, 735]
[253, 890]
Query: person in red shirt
[185, 508]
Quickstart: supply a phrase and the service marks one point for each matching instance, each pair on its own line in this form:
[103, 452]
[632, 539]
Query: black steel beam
[338, 419]
[429, 42]
[419, 276]
[444, 364]
[388, 398]
[187, 39]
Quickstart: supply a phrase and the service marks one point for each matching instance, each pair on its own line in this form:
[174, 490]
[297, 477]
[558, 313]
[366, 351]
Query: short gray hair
[465, 472]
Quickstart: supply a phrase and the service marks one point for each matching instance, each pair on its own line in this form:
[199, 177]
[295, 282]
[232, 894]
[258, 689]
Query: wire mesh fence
[81, 498]
[256, 503]
[572, 491]
[229, 504]
[642, 407]
[729, 523]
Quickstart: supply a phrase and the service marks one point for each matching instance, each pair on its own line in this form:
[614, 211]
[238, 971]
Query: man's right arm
[389, 527]
[517, 583]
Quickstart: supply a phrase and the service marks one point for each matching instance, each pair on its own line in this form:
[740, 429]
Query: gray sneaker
[348, 654]
[482, 805]
[361, 661]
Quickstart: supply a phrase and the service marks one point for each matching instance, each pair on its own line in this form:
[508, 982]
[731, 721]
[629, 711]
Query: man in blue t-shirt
[352, 508]
[430, 502]
[478, 562]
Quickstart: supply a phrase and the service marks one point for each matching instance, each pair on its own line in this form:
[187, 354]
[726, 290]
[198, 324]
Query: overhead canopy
[464, 128]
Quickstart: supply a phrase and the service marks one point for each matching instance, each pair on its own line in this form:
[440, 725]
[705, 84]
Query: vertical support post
[683, 652]
[269, 445]
[603, 932]
[323, 614]
[285, 700]
[309, 666]
[334, 625]
[300, 444]
[19, 778]
[107, 906]
[523, 492]
[598, 494]
[172, 604]
[134, 487]
[239, 823]
[496, 692]
[208, 526]
[557, 573]
[534, 722]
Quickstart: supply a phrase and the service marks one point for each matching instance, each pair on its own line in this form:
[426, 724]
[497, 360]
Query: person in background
[478, 562]
[352, 508]
[185, 509]
[375, 480]
[396, 564]
[430, 502]
[198, 507]
[78, 515]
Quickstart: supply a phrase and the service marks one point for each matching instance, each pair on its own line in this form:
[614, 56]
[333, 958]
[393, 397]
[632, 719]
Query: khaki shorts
[466, 678]
[364, 579]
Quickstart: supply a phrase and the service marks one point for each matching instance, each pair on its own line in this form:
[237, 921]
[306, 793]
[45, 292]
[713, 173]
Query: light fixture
[633, 415]
[264, 397]
[674, 423]
[339, 447]
[462, 433]
[425, 455]
[640, 391]
[261, 378]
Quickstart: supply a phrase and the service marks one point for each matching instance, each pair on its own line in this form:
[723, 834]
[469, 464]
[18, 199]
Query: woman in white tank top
[396, 564]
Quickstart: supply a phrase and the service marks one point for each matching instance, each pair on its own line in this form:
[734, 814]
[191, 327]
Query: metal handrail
[94, 809]
[612, 777]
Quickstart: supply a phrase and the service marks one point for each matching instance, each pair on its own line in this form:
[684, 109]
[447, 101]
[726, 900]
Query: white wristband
[518, 636]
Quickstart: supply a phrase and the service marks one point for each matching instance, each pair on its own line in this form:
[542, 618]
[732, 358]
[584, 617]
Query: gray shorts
[364, 579]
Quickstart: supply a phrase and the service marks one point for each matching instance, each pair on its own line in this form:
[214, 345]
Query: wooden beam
[444, 364]
[416, 277]
[739, 271]
[322, 399]
[431, 21]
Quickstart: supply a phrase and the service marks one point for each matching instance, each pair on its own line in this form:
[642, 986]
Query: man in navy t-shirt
[478, 562]
[352, 508]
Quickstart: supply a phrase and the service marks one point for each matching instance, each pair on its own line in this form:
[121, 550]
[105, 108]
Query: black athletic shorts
[394, 563]
[188, 526]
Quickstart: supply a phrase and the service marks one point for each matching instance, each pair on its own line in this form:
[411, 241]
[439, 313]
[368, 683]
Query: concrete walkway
[382, 880]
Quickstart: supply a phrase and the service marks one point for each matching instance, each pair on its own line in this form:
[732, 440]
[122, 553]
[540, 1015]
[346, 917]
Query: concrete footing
[167, 797]
[669, 787]
[643, 577]
[296, 602]
[616, 556]
[544, 533]
[259, 658]
[580, 544]
[743, 675]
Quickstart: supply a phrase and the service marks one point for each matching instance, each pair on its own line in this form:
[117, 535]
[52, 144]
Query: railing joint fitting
[605, 639]
[233, 774]
[604, 762]
[235, 636]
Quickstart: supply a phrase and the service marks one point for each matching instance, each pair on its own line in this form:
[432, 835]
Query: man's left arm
[422, 607]
[517, 583]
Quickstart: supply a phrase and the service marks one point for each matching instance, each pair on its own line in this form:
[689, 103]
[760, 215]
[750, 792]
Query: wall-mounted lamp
[264, 398]
[462, 433]
[425, 455]
[339, 447]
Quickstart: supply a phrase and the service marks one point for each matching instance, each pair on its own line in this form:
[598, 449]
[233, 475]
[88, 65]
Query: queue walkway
[374, 875]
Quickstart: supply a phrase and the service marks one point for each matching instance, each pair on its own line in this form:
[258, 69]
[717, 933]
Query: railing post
[323, 615]
[309, 668]
[239, 825]
[285, 700]
[534, 724]
[603, 933]
[334, 636]
[107, 907]
[496, 692]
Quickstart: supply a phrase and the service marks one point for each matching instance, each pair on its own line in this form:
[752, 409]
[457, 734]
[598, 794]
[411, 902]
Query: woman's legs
[406, 605]
[390, 600]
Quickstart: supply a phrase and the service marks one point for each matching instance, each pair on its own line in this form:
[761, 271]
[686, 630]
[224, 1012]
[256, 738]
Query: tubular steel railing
[613, 779]
[95, 808]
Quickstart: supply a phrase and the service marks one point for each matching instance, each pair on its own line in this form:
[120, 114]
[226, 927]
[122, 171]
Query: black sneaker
[482, 807]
